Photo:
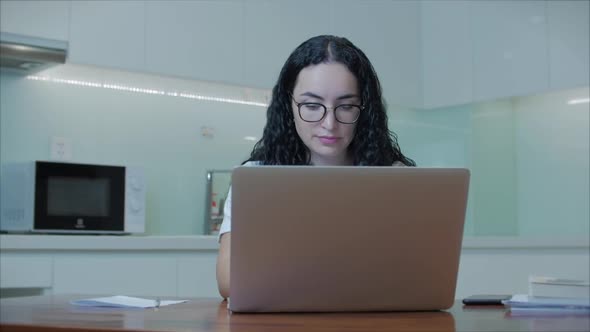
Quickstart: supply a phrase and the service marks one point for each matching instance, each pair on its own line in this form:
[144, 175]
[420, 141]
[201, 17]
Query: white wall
[161, 133]
[552, 150]
[528, 157]
[494, 164]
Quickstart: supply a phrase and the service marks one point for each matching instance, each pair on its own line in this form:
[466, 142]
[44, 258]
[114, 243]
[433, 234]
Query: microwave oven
[58, 197]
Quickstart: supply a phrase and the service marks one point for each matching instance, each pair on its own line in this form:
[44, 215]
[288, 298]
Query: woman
[326, 109]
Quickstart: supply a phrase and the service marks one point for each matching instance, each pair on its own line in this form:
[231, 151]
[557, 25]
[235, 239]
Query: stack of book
[552, 296]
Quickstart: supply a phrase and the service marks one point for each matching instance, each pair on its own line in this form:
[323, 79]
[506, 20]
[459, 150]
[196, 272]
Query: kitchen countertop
[108, 242]
[22, 242]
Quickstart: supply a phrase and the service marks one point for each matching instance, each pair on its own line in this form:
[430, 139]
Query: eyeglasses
[315, 112]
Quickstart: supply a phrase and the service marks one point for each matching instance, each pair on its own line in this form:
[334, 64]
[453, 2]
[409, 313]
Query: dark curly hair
[373, 143]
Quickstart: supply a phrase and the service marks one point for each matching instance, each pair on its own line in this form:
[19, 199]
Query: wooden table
[54, 313]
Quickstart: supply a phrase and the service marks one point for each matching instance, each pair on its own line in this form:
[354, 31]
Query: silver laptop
[330, 239]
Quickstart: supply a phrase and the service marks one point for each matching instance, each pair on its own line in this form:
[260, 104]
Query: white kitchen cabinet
[184, 266]
[42, 19]
[427, 53]
[273, 29]
[569, 38]
[447, 57]
[119, 274]
[197, 270]
[509, 48]
[388, 32]
[201, 40]
[181, 266]
[108, 33]
[25, 270]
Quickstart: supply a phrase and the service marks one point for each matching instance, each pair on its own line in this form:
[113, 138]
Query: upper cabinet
[195, 39]
[484, 50]
[388, 32]
[43, 19]
[509, 48]
[447, 53]
[569, 37]
[427, 53]
[272, 30]
[108, 33]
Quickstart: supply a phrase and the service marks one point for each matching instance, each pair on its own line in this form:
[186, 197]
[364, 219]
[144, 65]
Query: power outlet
[60, 148]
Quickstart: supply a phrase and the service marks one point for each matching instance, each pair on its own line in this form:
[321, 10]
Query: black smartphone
[486, 299]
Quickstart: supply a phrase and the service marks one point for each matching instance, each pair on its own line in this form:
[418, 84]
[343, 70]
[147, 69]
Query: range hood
[27, 55]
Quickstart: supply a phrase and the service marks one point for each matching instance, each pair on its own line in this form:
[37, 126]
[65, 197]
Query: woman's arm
[223, 265]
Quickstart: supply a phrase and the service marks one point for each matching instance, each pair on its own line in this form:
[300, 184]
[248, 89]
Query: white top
[226, 223]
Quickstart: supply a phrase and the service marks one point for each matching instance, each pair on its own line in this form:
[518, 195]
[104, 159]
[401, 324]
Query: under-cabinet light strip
[145, 91]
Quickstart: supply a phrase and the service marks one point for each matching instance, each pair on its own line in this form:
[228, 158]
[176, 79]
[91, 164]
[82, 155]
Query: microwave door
[76, 197]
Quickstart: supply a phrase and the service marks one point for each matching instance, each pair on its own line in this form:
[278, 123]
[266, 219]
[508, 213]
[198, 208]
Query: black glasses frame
[361, 108]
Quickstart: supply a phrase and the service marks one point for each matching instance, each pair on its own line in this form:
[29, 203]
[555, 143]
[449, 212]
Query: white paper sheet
[121, 301]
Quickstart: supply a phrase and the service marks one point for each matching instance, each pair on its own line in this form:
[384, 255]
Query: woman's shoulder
[399, 164]
[252, 163]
